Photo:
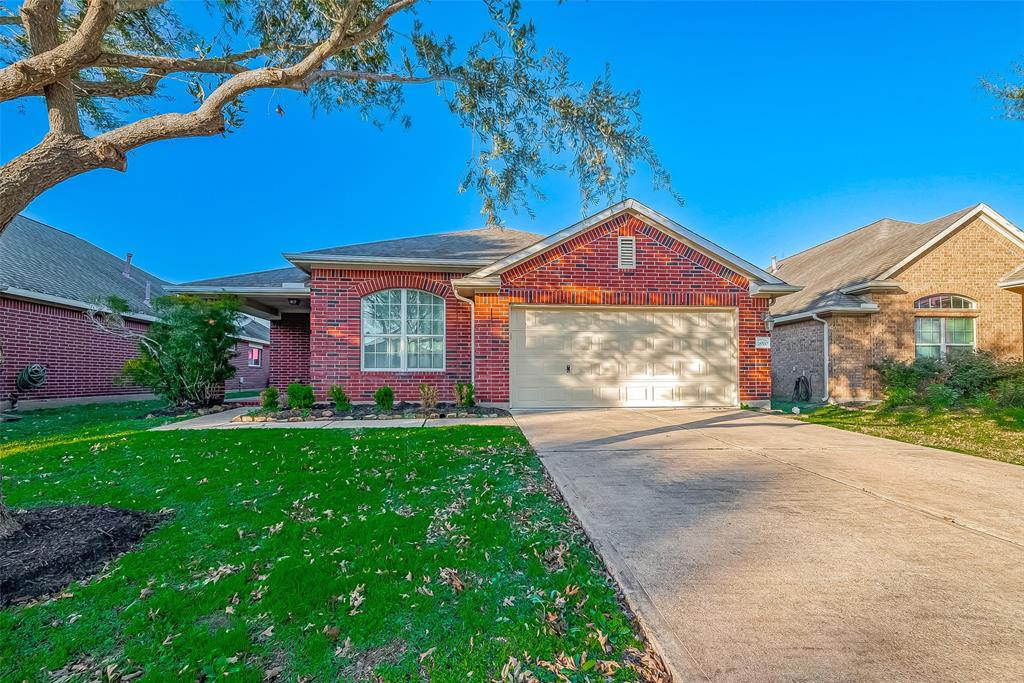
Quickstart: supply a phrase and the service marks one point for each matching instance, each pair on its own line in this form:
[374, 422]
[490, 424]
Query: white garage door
[587, 357]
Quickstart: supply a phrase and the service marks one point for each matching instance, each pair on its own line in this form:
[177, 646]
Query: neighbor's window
[938, 337]
[947, 301]
[255, 357]
[403, 329]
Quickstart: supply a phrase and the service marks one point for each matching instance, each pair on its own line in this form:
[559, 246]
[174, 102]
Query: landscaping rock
[327, 413]
[246, 418]
[295, 419]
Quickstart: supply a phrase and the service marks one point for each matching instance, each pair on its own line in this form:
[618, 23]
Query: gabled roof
[874, 254]
[652, 217]
[41, 260]
[466, 247]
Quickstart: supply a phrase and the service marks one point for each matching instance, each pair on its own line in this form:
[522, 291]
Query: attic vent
[627, 252]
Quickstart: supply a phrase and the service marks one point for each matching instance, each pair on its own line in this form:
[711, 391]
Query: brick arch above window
[945, 302]
[403, 281]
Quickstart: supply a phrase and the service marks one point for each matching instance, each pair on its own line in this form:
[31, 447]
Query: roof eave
[1012, 284]
[355, 262]
[30, 295]
[643, 212]
[863, 309]
[869, 286]
[241, 291]
[771, 291]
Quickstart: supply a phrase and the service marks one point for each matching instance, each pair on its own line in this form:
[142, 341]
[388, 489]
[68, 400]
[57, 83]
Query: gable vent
[627, 252]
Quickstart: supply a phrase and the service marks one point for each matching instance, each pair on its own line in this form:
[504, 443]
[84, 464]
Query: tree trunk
[52, 161]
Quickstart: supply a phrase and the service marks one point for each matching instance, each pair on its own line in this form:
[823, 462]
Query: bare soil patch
[58, 545]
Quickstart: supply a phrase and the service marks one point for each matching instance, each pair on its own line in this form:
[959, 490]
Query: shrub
[941, 396]
[384, 398]
[300, 396]
[464, 395]
[1009, 393]
[898, 396]
[428, 396]
[269, 398]
[185, 357]
[972, 373]
[340, 398]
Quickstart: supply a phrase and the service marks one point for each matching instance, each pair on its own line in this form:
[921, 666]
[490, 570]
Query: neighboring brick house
[626, 307]
[898, 289]
[48, 278]
[252, 360]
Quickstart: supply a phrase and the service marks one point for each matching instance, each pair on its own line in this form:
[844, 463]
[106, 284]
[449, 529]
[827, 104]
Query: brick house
[626, 307]
[48, 277]
[901, 290]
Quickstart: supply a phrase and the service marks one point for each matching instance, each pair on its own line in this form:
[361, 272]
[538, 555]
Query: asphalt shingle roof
[43, 259]
[481, 244]
[264, 278]
[858, 256]
[254, 329]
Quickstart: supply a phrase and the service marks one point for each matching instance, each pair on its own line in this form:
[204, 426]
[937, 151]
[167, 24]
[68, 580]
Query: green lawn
[312, 555]
[247, 393]
[997, 435]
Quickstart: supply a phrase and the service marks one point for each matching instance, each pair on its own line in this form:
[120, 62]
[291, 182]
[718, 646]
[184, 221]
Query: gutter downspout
[472, 333]
[824, 322]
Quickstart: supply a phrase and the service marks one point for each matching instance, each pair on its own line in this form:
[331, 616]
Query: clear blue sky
[783, 124]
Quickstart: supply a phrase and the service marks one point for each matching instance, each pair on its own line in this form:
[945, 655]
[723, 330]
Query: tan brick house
[897, 289]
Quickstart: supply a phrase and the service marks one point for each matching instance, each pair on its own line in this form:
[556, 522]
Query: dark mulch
[59, 545]
[402, 409]
[178, 411]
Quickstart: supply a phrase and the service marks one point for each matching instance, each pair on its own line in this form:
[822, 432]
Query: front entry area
[588, 356]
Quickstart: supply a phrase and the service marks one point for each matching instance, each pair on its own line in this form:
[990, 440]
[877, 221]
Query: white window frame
[944, 344]
[632, 242]
[404, 336]
[249, 354]
[920, 303]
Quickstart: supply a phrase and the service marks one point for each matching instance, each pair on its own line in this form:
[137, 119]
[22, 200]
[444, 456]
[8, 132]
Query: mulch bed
[58, 545]
[404, 409]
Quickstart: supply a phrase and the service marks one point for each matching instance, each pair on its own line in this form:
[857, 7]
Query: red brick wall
[584, 271]
[335, 334]
[80, 360]
[288, 353]
[255, 378]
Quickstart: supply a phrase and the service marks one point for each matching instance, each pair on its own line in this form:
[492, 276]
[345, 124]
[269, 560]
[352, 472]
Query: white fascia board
[1006, 284]
[663, 223]
[764, 291]
[826, 310]
[871, 286]
[30, 295]
[990, 216]
[473, 285]
[353, 262]
[218, 289]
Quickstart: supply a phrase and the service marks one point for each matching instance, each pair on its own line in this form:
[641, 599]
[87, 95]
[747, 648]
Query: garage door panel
[622, 357]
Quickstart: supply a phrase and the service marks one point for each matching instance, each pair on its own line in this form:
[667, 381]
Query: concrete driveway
[756, 547]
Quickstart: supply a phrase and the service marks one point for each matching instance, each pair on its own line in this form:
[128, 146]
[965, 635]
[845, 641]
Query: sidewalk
[223, 421]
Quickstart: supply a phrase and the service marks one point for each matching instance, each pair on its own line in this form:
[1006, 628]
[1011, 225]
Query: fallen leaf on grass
[451, 577]
[424, 655]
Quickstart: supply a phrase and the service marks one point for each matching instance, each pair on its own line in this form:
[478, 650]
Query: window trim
[943, 344]
[259, 363]
[631, 265]
[403, 335]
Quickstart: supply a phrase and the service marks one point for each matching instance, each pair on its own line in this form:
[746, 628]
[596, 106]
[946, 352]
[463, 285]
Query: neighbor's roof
[36, 258]
[253, 329]
[475, 247]
[861, 256]
[277, 277]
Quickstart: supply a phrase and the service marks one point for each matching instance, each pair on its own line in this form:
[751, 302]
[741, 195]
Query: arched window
[947, 301]
[403, 329]
[938, 337]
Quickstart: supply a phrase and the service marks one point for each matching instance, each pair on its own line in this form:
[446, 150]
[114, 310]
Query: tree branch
[82, 47]
[41, 22]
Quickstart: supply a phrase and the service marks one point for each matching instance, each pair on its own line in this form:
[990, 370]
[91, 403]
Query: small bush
[269, 398]
[1009, 393]
[300, 396]
[464, 395]
[340, 398]
[972, 373]
[384, 398]
[941, 396]
[428, 397]
[899, 375]
[899, 396]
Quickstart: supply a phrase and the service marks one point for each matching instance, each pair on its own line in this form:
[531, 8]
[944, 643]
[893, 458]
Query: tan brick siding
[797, 351]
[970, 263]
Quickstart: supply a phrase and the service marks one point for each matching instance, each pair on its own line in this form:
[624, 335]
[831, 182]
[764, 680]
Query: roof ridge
[429, 234]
